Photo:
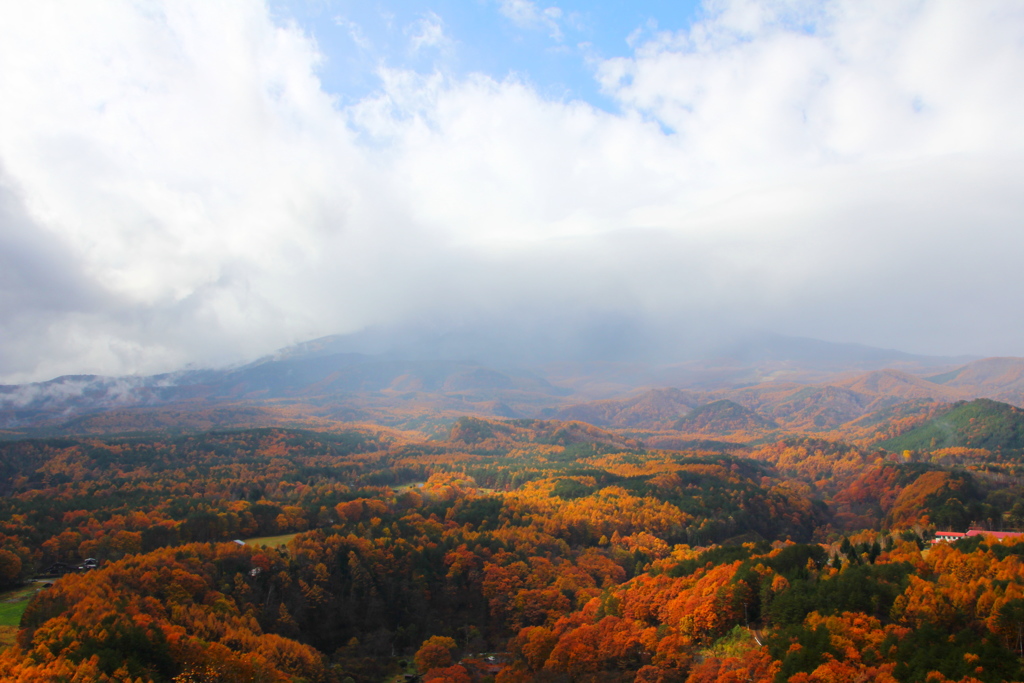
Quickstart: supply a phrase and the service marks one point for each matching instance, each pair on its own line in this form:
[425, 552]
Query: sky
[194, 183]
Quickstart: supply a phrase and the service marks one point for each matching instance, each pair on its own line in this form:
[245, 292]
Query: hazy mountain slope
[995, 373]
[612, 340]
[721, 417]
[897, 384]
[329, 378]
[346, 373]
[789, 405]
[787, 382]
[653, 409]
[820, 407]
[1001, 379]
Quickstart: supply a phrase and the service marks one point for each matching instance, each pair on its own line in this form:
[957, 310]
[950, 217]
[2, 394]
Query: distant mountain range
[824, 406]
[753, 384]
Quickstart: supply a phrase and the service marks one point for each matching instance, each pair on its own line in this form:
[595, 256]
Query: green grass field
[13, 604]
[270, 541]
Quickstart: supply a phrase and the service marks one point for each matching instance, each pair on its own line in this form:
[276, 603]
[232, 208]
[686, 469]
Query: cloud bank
[176, 187]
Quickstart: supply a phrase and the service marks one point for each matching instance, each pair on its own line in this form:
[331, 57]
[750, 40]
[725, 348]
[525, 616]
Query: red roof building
[950, 536]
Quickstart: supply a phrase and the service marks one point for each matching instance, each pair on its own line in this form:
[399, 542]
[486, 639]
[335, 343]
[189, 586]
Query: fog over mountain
[179, 186]
[396, 374]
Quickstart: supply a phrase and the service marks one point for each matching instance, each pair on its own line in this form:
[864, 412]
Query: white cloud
[355, 32]
[750, 89]
[528, 14]
[177, 188]
[428, 32]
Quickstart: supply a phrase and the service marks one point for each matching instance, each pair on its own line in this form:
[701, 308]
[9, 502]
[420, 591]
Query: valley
[668, 534]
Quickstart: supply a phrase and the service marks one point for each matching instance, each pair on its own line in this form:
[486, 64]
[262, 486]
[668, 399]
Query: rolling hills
[319, 384]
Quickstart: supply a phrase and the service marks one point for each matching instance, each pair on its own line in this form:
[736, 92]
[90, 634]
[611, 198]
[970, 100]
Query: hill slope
[998, 378]
[720, 417]
[656, 409]
[982, 423]
[898, 384]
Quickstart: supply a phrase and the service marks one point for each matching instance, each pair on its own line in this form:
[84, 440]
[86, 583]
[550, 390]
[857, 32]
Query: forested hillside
[508, 550]
[981, 423]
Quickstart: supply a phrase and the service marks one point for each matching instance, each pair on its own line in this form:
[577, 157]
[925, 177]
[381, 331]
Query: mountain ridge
[318, 379]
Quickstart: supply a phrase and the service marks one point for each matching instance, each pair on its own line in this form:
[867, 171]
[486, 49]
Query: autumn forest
[514, 550]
